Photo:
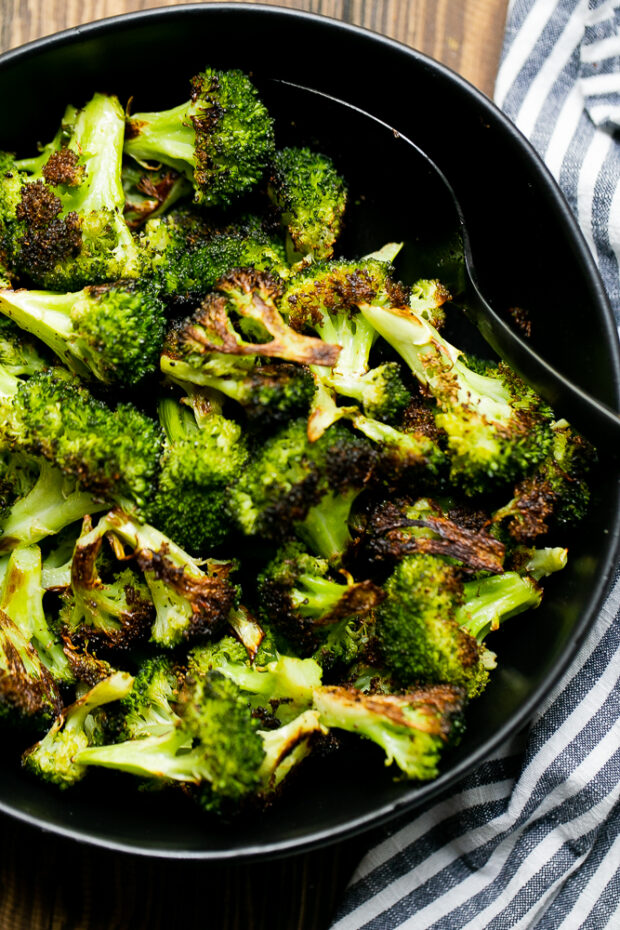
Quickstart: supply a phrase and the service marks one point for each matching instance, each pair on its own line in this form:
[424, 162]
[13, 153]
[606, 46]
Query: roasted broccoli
[114, 453]
[148, 709]
[298, 597]
[555, 494]
[199, 463]
[113, 612]
[150, 192]
[187, 253]
[55, 757]
[221, 139]
[311, 198]
[283, 683]
[113, 332]
[189, 600]
[62, 213]
[496, 427]
[430, 627]
[412, 729]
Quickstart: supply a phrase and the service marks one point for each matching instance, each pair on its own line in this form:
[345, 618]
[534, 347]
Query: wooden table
[47, 883]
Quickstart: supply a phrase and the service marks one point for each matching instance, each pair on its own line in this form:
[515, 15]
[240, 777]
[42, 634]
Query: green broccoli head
[113, 332]
[191, 503]
[214, 744]
[114, 453]
[495, 427]
[114, 612]
[221, 139]
[27, 688]
[148, 709]
[555, 494]
[419, 638]
[297, 595]
[311, 197]
[188, 253]
[280, 683]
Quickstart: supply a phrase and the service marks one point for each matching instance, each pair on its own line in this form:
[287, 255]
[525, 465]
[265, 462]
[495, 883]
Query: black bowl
[529, 253]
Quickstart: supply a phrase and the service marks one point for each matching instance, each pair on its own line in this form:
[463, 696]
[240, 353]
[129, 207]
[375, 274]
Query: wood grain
[464, 34]
[47, 883]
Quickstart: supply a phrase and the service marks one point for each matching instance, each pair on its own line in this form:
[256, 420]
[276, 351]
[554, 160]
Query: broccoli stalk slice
[544, 562]
[21, 598]
[55, 757]
[490, 601]
[54, 502]
[112, 332]
[326, 526]
[286, 747]
[412, 729]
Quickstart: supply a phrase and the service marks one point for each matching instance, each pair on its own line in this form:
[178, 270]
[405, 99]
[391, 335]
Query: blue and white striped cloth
[532, 838]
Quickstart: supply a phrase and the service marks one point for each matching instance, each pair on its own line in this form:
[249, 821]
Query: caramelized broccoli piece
[221, 139]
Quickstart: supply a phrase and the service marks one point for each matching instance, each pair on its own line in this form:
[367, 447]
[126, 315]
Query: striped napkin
[532, 838]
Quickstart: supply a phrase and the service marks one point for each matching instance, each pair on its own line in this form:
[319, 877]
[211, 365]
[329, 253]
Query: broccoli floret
[270, 395]
[496, 427]
[555, 494]
[297, 595]
[221, 139]
[191, 503]
[113, 332]
[403, 455]
[311, 197]
[113, 453]
[189, 600]
[187, 253]
[325, 298]
[427, 299]
[252, 296]
[149, 192]
[54, 758]
[148, 708]
[412, 729]
[27, 688]
[313, 485]
[286, 682]
[398, 528]
[215, 742]
[430, 627]
[64, 221]
[114, 612]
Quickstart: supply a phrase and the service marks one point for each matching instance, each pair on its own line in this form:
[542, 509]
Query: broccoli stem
[169, 136]
[98, 136]
[48, 317]
[316, 596]
[21, 598]
[325, 528]
[437, 364]
[490, 601]
[54, 502]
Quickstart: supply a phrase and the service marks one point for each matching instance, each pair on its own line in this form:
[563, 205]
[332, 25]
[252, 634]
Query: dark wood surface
[49, 883]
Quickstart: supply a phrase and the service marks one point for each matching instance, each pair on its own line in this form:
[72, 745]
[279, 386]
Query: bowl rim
[519, 718]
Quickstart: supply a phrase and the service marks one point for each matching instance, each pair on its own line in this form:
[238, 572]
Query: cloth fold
[531, 839]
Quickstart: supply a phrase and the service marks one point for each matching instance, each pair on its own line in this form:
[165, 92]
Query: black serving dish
[528, 253]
